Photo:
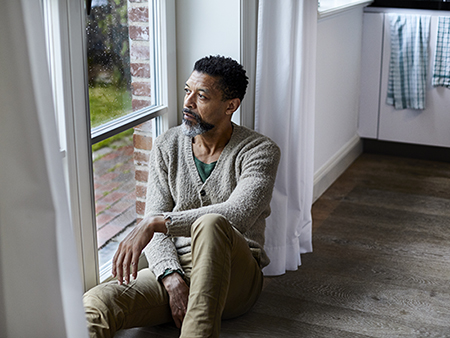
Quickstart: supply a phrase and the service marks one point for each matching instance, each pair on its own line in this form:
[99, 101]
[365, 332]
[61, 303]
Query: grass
[108, 102]
[109, 142]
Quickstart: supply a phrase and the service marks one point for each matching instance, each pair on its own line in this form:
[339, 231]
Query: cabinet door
[372, 47]
[430, 126]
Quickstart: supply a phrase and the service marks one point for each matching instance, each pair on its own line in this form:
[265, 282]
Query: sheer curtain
[284, 111]
[41, 290]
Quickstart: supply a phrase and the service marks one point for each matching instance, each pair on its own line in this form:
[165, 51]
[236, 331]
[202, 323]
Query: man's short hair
[231, 75]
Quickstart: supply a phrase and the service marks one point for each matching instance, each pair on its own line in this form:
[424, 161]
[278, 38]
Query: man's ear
[233, 105]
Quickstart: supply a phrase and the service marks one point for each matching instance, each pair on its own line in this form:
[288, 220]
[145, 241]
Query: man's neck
[208, 146]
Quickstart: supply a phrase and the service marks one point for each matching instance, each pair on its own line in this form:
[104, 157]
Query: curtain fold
[284, 111]
[41, 288]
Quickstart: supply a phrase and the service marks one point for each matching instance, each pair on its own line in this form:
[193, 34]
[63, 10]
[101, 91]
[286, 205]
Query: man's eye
[186, 90]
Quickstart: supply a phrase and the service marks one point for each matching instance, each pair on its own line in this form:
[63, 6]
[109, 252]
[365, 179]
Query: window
[111, 71]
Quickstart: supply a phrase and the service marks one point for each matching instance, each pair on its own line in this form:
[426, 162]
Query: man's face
[203, 104]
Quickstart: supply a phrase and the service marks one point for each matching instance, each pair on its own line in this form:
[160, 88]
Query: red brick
[139, 33]
[140, 70]
[139, 104]
[142, 142]
[141, 175]
[140, 207]
[141, 158]
[138, 14]
[140, 52]
[141, 88]
[145, 127]
[138, 220]
[141, 191]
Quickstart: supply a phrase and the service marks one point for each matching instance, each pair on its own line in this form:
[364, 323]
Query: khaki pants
[225, 281]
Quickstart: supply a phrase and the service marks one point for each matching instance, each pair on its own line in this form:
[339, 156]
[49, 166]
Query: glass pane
[115, 197]
[111, 90]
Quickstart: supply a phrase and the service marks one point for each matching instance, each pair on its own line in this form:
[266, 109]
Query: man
[209, 188]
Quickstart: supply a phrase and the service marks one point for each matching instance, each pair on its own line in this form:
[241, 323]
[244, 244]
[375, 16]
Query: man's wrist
[169, 272]
[156, 224]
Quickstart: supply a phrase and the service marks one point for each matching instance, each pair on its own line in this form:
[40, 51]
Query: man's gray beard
[192, 130]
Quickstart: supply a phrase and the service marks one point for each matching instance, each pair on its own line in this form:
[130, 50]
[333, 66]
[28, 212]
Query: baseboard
[330, 171]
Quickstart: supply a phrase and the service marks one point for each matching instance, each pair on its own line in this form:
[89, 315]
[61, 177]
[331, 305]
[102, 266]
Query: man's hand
[178, 296]
[126, 258]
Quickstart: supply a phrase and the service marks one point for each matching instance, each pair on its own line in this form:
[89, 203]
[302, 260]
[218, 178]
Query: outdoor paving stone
[99, 207]
[125, 219]
[113, 197]
[106, 233]
[131, 197]
[99, 153]
[110, 186]
[106, 252]
[103, 219]
[108, 176]
[124, 177]
[110, 156]
[128, 186]
[120, 207]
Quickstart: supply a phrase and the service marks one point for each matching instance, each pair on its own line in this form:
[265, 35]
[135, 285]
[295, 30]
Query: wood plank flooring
[381, 261]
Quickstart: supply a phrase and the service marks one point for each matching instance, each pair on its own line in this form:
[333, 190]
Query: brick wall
[138, 22]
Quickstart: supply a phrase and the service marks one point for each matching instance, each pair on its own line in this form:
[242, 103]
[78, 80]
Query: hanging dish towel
[441, 70]
[409, 61]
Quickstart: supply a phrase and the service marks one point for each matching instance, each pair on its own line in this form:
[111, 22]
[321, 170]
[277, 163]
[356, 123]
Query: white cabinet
[378, 120]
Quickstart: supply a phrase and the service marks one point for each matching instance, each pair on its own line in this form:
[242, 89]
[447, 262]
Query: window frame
[69, 74]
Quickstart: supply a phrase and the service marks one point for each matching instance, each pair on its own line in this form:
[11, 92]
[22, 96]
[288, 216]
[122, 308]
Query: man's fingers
[126, 267]
[134, 266]
[119, 268]
[178, 316]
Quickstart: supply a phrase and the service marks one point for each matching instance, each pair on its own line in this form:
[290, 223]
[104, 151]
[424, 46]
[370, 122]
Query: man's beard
[192, 129]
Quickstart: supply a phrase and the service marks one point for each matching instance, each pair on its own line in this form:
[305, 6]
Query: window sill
[332, 7]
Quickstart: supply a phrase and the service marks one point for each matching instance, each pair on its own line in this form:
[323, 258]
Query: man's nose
[189, 101]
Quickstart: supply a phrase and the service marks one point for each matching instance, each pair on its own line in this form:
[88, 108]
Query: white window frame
[69, 72]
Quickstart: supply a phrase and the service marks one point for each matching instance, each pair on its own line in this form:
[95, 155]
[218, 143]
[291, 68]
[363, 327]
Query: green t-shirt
[204, 170]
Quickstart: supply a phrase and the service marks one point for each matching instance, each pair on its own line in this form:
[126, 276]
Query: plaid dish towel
[441, 70]
[409, 60]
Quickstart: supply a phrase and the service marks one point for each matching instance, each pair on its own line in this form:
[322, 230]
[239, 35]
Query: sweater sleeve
[248, 201]
[161, 253]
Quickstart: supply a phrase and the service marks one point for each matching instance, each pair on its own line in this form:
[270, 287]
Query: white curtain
[40, 290]
[284, 111]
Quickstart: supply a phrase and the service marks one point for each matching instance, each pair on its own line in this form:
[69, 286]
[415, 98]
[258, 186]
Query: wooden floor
[381, 261]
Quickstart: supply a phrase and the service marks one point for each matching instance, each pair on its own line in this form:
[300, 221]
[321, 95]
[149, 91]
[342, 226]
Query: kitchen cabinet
[378, 120]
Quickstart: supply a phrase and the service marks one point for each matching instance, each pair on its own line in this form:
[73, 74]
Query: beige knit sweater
[239, 188]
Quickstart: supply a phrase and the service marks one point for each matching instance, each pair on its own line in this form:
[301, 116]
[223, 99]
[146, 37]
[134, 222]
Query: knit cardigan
[239, 188]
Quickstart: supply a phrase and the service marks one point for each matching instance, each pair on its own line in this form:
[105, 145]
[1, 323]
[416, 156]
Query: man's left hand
[126, 258]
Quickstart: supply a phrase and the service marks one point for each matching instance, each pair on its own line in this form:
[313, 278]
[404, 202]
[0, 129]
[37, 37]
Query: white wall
[337, 143]
[205, 27]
